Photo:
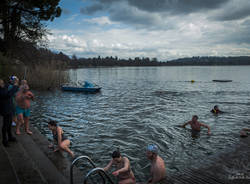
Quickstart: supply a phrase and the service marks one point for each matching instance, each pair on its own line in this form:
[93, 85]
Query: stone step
[7, 172]
[23, 165]
[47, 169]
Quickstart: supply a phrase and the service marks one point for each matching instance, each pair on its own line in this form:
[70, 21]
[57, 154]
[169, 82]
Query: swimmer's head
[52, 124]
[216, 107]
[152, 148]
[13, 78]
[116, 155]
[152, 151]
[195, 118]
[24, 88]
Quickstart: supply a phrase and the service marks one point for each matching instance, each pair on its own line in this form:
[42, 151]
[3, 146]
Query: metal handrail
[99, 170]
[75, 161]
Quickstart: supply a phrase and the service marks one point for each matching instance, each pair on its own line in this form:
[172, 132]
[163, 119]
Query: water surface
[141, 105]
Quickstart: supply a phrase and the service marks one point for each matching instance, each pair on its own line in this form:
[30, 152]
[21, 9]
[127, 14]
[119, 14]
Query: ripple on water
[135, 108]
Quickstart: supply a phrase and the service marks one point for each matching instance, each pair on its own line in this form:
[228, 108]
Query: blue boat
[86, 87]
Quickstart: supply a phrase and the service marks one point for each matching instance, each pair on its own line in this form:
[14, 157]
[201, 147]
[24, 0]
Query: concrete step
[47, 169]
[26, 170]
[61, 161]
[7, 172]
[24, 163]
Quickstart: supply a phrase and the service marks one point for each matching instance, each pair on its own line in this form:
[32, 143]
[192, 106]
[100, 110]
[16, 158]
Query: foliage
[23, 20]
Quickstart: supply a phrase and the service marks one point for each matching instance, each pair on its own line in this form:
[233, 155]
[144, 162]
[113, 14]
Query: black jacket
[6, 102]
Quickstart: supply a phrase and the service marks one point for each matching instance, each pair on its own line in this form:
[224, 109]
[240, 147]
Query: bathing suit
[25, 112]
[125, 175]
[55, 136]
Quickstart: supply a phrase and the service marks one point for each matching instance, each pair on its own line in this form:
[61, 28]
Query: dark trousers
[6, 129]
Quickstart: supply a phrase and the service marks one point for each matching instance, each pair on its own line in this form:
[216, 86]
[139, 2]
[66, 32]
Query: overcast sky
[166, 29]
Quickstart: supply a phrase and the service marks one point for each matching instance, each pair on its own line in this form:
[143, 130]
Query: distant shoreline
[138, 62]
[114, 66]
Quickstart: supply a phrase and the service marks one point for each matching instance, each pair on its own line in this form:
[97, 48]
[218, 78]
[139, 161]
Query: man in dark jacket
[7, 109]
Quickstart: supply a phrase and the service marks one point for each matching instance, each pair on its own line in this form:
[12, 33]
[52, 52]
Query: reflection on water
[138, 106]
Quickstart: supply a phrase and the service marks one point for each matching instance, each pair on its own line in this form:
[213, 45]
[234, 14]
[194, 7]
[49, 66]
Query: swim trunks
[25, 112]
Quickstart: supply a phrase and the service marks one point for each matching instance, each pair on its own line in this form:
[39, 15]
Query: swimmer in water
[123, 170]
[216, 110]
[157, 170]
[196, 125]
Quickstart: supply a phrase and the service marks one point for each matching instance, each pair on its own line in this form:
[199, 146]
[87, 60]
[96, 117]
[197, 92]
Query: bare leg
[65, 146]
[14, 119]
[19, 122]
[27, 129]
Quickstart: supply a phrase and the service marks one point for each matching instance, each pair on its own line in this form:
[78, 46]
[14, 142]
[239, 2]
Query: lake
[142, 105]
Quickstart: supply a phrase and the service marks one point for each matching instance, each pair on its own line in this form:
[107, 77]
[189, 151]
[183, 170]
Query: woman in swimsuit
[123, 170]
[62, 141]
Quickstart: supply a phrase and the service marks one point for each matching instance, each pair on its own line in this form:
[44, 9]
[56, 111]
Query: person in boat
[244, 132]
[158, 169]
[216, 110]
[123, 169]
[59, 138]
[196, 125]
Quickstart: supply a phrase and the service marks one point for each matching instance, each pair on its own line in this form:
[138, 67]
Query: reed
[39, 77]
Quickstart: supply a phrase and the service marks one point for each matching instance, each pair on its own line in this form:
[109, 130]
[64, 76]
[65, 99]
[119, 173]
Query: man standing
[158, 170]
[23, 98]
[7, 110]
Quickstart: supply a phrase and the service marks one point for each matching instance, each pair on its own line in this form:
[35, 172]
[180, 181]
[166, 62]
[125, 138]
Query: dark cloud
[150, 13]
[92, 9]
[66, 11]
[230, 13]
[177, 6]
[157, 6]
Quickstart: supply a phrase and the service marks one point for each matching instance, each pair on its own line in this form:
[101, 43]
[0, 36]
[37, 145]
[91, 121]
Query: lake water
[142, 105]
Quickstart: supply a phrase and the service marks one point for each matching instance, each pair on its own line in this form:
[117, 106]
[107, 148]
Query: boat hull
[79, 89]
[222, 80]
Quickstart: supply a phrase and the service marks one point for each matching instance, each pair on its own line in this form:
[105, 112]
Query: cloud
[166, 29]
[235, 10]
[165, 45]
[92, 9]
[156, 14]
[171, 6]
[104, 20]
[177, 6]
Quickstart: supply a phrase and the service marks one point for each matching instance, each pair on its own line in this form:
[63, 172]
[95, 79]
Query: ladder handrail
[99, 170]
[75, 161]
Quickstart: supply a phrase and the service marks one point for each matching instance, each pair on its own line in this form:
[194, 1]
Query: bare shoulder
[126, 159]
[161, 162]
[59, 130]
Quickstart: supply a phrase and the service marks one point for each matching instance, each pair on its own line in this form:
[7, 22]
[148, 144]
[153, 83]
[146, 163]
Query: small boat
[222, 81]
[86, 87]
